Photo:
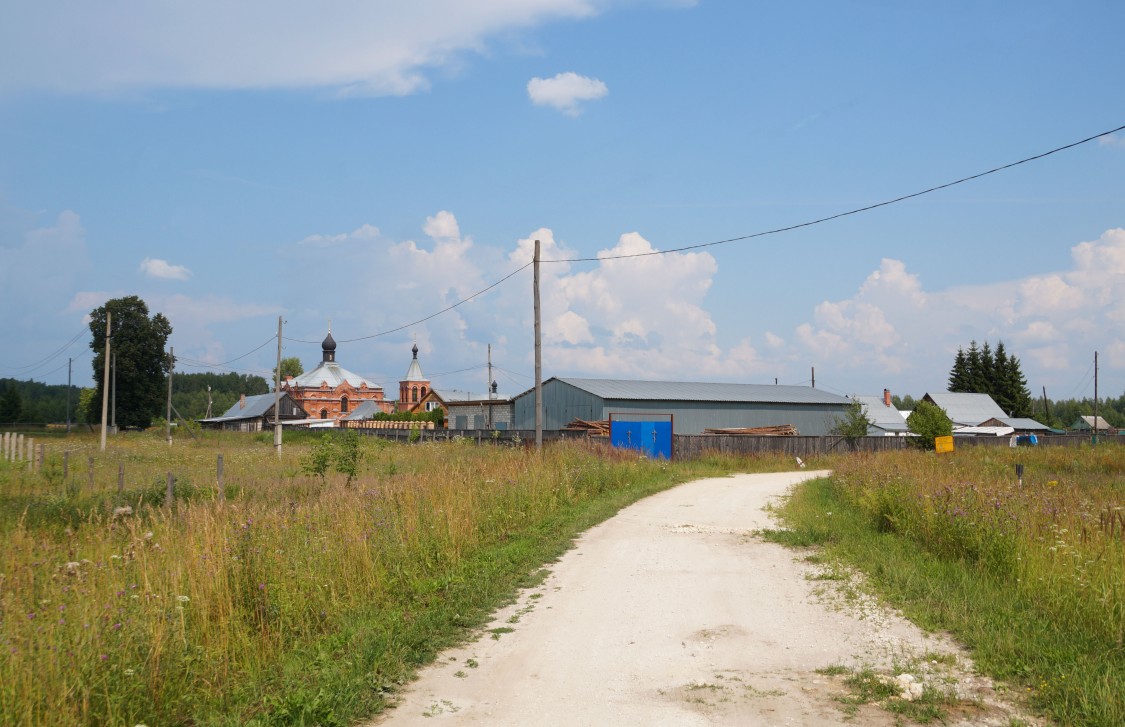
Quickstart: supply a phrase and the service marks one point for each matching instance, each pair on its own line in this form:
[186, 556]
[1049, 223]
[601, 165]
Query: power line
[855, 211]
[432, 315]
[44, 361]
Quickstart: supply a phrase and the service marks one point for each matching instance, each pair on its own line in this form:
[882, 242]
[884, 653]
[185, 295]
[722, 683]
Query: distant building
[475, 411]
[885, 419]
[966, 410]
[330, 391]
[255, 413]
[414, 386]
[1086, 424]
[1019, 425]
[694, 406]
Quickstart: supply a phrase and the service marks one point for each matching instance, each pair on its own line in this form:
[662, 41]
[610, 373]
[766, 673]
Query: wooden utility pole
[1046, 408]
[168, 418]
[538, 357]
[488, 387]
[1095, 397]
[105, 377]
[277, 393]
[814, 377]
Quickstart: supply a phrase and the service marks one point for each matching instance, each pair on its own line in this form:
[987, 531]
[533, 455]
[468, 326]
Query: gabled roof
[882, 416]
[1022, 424]
[252, 408]
[966, 409]
[333, 374]
[1087, 422]
[364, 410]
[695, 391]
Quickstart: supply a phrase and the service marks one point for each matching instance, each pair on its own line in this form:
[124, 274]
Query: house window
[414, 395]
[323, 413]
[343, 405]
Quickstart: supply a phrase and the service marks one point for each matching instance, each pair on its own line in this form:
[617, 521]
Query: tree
[929, 421]
[138, 342]
[290, 366]
[855, 422]
[903, 403]
[11, 405]
[996, 373]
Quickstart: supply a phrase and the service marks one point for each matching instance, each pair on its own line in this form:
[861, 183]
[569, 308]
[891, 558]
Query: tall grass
[1031, 577]
[295, 601]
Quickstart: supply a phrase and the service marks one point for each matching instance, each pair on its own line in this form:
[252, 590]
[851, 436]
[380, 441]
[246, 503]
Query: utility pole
[488, 386]
[1095, 397]
[538, 357]
[113, 397]
[814, 377]
[208, 414]
[168, 419]
[105, 376]
[277, 392]
[69, 361]
[1046, 408]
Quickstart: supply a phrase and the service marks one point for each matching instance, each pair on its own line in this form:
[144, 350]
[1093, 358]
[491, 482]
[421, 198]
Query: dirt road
[673, 613]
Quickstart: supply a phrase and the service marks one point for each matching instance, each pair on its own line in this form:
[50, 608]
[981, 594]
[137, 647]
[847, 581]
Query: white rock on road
[673, 613]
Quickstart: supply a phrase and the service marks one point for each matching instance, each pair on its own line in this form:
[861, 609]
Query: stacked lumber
[781, 430]
[597, 429]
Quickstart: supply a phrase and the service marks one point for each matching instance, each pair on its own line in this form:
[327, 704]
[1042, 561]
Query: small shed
[1086, 424]
[885, 419]
[255, 413]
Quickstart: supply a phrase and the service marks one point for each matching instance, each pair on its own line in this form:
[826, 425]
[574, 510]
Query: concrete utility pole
[538, 357]
[277, 392]
[488, 387]
[69, 361]
[168, 419]
[105, 377]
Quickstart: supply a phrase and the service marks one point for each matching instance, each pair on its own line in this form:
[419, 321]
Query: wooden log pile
[596, 429]
[781, 430]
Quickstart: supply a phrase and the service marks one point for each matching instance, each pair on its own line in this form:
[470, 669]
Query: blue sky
[377, 162]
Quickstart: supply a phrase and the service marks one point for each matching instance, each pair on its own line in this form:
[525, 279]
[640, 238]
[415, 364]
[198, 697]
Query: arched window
[343, 405]
[423, 392]
[414, 395]
[323, 413]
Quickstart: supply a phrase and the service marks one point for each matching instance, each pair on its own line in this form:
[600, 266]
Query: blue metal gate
[650, 438]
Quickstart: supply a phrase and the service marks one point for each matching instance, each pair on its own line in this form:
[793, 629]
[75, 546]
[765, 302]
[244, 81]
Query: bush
[928, 421]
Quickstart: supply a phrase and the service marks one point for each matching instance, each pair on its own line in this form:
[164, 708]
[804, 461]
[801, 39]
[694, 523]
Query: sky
[368, 165]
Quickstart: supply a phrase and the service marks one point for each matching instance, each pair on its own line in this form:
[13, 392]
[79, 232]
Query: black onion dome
[329, 343]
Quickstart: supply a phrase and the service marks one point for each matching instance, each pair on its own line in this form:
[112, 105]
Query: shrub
[928, 421]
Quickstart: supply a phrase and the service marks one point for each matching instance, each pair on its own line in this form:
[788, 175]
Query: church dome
[329, 342]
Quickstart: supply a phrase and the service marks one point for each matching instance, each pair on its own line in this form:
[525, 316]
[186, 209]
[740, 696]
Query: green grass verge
[1064, 672]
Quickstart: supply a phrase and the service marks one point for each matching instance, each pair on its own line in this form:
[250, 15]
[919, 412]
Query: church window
[343, 404]
[414, 395]
[323, 413]
[423, 392]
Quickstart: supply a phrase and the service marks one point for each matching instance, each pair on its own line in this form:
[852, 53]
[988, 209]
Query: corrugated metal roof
[967, 409]
[365, 410]
[885, 417]
[255, 406]
[983, 431]
[1025, 424]
[694, 391]
[333, 374]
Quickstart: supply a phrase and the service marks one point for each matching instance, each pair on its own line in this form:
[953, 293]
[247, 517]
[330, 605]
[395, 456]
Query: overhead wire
[47, 359]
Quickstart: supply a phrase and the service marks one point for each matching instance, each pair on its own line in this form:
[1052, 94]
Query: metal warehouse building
[694, 406]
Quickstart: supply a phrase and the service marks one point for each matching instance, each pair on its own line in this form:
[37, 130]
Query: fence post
[219, 477]
[30, 454]
[19, 448]
[90, 471]
[4, 446]
[120, 477]
[169, 495]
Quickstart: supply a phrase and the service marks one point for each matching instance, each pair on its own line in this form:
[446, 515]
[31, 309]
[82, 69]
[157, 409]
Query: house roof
[983, 431]
[966, 409]
[695, 391]
[882, 416]
[252, 408]
[332, 374]
[364, 410]
[1087, 422]
[1022, 424]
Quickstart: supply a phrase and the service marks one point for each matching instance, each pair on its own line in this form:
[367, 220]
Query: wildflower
[115, 556]
[129, 672]
[148, 535]
[122, 511]
[182, 599]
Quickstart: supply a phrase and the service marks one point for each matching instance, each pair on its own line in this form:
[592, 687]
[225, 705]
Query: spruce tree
[986, 377]
[958, 376]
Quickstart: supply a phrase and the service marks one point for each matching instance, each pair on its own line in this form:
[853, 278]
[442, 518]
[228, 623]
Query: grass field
[1031, 578]
[300, 599]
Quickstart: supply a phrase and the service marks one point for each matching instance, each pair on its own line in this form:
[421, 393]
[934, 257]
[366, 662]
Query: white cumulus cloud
[164, 270]
[565, 91]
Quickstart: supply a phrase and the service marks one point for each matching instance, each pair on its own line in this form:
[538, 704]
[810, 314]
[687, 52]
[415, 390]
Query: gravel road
[674, 613]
